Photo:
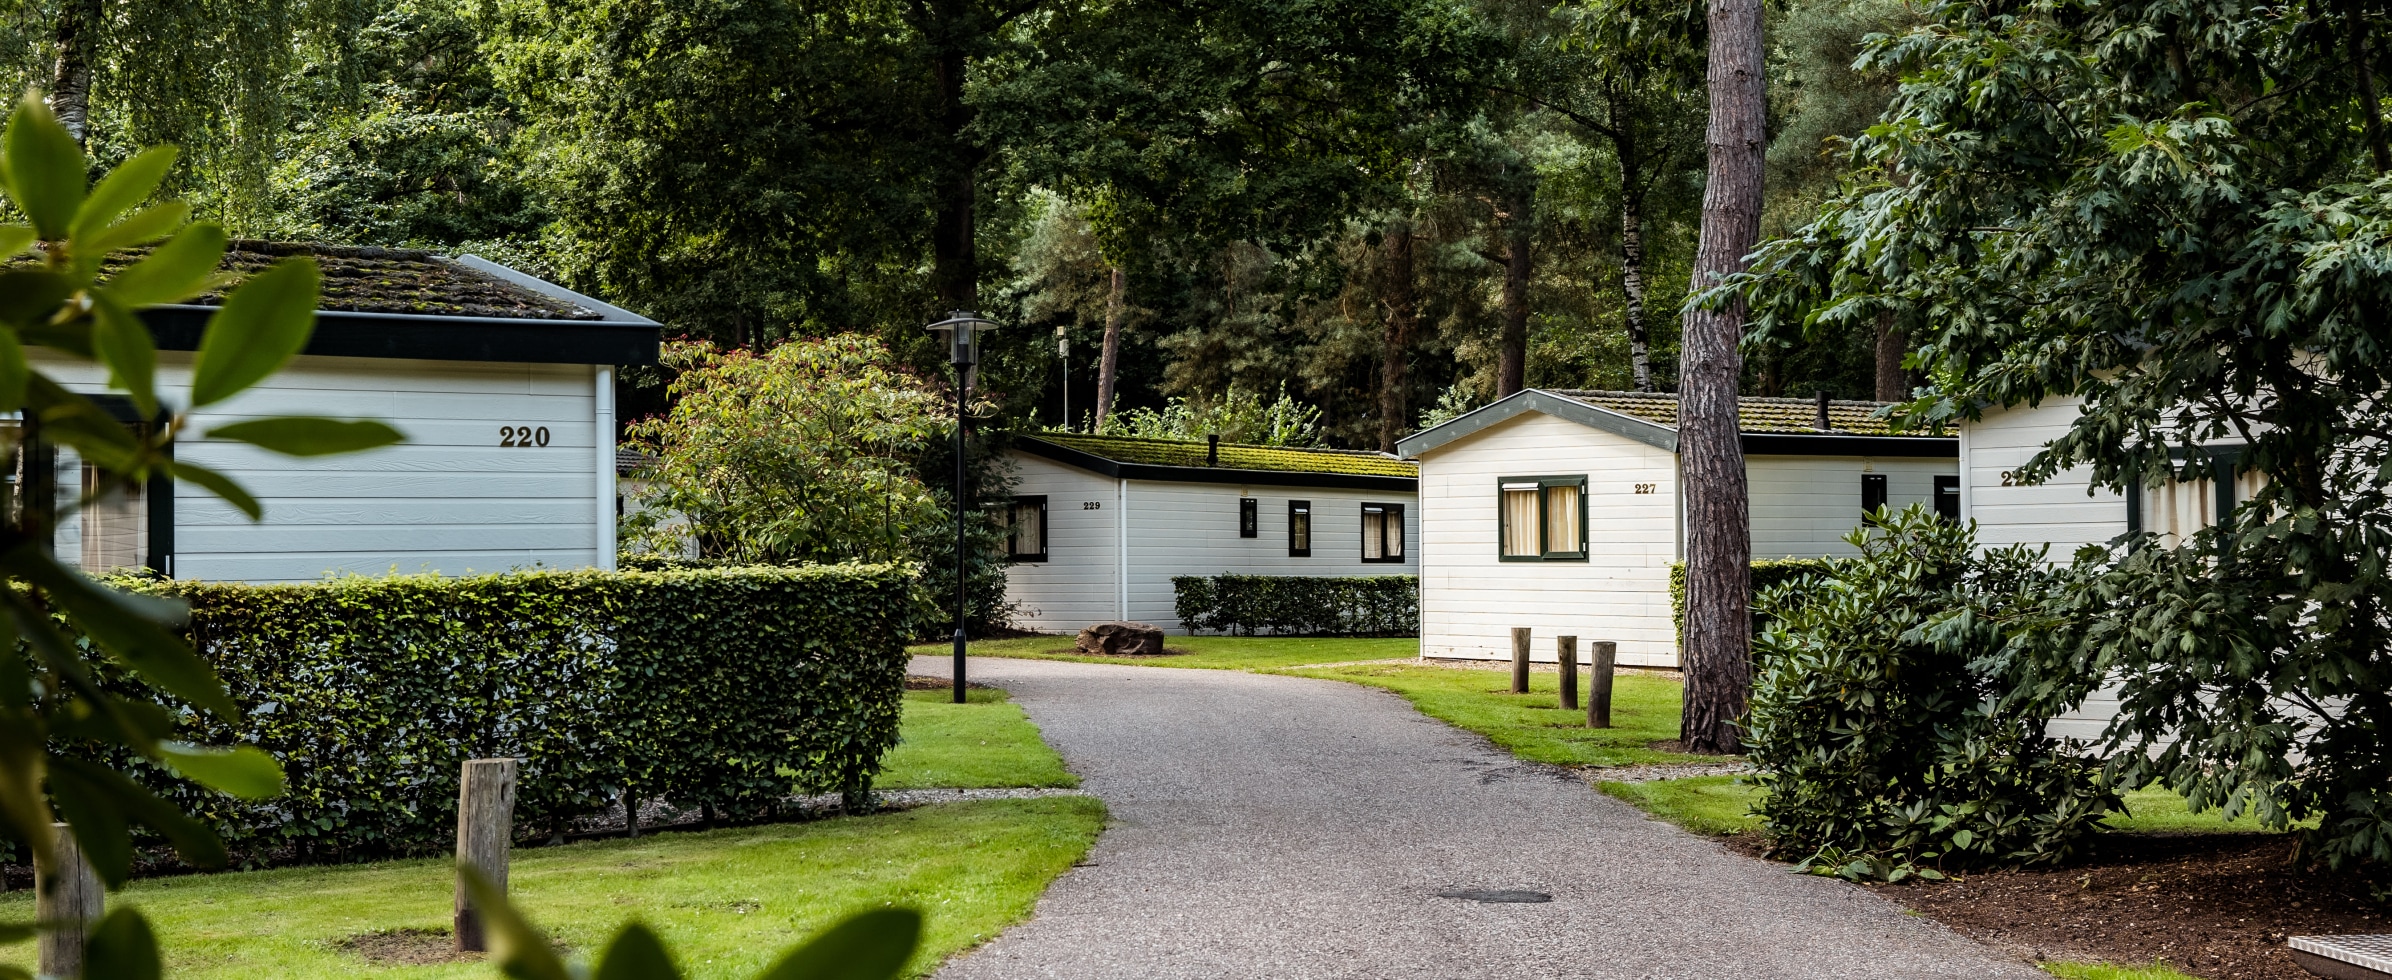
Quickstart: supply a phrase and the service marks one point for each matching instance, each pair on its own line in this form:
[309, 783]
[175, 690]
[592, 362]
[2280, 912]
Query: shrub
[1383, 605]
[719, 688]
[1890, 723]
[1767, 573]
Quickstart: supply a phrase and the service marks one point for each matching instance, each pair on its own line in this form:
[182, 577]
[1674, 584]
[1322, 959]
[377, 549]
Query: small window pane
[1561, 520]
[1025, 537]
[1520, 523]
[1249, 517]
[1872, 492]
[1299, 528]
[1395, 533]
[108, 534]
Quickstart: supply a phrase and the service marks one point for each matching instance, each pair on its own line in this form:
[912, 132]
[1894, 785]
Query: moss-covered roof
[1188, 452]
[1793, 415]
[366, 279]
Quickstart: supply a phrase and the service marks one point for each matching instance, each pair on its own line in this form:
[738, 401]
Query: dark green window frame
[1544, 542]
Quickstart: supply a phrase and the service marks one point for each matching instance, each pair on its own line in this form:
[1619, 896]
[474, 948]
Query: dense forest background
[1379, 208]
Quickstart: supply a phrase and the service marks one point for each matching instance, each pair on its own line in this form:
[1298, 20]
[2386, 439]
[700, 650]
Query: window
[1249, 517]
[1872, 492]
[96, 529]
[1542, 518]
[1947, 498]
[1025, 529]
[1299, 529]
[2201, 493]
[1382, 532]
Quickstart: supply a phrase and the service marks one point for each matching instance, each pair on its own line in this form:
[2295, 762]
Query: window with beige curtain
[1562, 525]
[1382, 532]
[1520, 522]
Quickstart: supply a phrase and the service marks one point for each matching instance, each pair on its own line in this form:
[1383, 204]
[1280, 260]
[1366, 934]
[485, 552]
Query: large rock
[1122, 640]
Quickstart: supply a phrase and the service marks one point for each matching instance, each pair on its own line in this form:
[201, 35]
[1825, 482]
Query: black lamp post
[962, 329]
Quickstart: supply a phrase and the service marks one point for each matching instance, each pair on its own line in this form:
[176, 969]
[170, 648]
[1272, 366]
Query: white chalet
[502, 384]
[1561, 511]
[1101, 524]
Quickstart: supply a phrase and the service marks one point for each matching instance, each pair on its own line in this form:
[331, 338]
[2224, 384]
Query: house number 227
[522, 436]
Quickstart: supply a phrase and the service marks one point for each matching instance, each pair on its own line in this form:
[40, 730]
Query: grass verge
[985, 742]
[2111, 971]
[1644, 709]
[1208, 652]
[726, 901]
[1721, 805]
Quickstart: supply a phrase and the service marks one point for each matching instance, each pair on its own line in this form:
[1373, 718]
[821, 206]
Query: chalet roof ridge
[1767, 425]
[1195, 460]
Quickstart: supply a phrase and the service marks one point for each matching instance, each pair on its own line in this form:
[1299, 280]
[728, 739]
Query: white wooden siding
[448, 501]
[2064, 512]
[1078, 583]
[1470, 599]
[1802, 506]
[1174, 529]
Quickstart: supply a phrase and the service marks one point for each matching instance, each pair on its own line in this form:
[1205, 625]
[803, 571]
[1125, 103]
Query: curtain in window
[1395, 532]
[1374, 533]
[107, 534]
[1520, 522]
[1028, 521]
[1561, 520]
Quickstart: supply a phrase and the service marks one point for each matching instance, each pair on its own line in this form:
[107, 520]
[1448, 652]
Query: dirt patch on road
[2212, 905]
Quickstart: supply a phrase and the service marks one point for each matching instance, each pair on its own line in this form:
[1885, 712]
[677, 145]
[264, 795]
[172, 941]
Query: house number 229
[522, 436]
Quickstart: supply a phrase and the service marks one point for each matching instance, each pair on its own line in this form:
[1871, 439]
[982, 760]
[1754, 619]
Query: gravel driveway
[1285, 828]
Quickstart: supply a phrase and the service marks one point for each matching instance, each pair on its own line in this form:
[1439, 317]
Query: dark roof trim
[342, 333]
[1792, 444]
[1542, 402]
[1208, 474]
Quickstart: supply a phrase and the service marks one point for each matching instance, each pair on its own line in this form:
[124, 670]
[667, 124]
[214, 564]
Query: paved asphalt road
[1286, 828]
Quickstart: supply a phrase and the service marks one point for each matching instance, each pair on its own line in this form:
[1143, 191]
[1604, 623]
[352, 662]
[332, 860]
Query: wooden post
[1599, 656]
[1565, 651]
[1520, 660]
[485, 829]
[69, 899]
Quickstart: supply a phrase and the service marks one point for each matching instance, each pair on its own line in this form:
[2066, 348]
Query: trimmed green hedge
[725, 689]
[1766, 573]
[1381, 605]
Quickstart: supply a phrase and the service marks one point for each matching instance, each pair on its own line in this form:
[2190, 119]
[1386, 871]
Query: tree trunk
[955, 261]
[1110, 360]
[1402, 314]
[2371, 121]
[1632, 284]
[1718, 633]
[1893, 384]
[70, 84]
[1511, 369]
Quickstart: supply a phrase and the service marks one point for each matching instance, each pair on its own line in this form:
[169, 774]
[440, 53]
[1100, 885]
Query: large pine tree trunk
[1403, 314]
[1718, 637]
[70, 83]
[1893, 384]
[1511, 368]
[1109, 361]
[955, 269]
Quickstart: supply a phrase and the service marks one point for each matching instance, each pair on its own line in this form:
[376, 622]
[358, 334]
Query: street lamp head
[962, 332]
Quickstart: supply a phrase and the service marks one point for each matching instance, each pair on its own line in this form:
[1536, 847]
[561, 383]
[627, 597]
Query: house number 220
[522, 436]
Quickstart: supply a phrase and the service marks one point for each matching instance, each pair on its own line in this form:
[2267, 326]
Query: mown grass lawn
[726, 901]
[1722, 805]
[1644, 709]
[1207, 652]
[985, 742]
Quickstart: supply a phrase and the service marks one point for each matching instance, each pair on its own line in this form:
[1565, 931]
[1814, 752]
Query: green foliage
[1533, 726]
[803, 452]
[1379, 605]
[1885, 721]
[724, 689]
[1767, 573]
[1239, 417]
[79, 715]
[2175, 215]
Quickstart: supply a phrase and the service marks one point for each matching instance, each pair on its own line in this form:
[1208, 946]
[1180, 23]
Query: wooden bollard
[485, 830]
[1565, 652]
[1598, 682]
[1520, 660]
[67, 898]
